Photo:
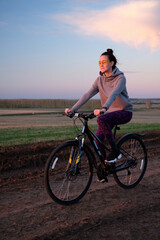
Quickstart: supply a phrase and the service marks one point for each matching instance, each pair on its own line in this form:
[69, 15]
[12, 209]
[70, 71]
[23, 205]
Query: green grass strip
[14, 136]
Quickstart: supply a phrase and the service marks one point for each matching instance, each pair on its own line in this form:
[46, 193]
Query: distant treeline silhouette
[44, 103]
[62, 103]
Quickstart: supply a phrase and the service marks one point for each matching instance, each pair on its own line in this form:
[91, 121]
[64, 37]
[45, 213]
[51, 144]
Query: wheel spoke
[134, 157]
[60, 189]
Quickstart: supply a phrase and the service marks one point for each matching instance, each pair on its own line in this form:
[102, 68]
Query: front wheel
[132, 166]
[68, 173]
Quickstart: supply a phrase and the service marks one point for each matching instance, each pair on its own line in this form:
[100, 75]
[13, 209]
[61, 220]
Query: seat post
[115, 130]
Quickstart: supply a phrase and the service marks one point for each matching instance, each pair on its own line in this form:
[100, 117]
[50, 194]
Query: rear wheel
[133, 161]
[68, 173]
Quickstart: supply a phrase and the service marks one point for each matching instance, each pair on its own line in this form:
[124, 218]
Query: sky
[49, 49]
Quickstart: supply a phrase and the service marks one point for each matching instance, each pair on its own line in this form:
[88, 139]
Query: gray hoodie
[112, 90]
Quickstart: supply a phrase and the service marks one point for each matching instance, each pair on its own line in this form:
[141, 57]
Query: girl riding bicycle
[116, 105]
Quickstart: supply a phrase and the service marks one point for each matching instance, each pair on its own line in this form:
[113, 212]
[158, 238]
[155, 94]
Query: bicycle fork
[74, 162]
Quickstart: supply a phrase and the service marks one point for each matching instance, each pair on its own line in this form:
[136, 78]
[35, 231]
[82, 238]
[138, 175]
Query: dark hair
[109, 53]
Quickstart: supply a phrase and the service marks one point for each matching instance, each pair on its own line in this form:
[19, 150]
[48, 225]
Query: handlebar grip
[70, 114]
[101, 112]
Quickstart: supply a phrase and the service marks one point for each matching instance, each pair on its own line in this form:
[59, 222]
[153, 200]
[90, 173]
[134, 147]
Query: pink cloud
[133, 23]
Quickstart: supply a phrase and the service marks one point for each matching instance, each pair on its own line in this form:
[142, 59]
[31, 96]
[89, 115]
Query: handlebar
[85, 116]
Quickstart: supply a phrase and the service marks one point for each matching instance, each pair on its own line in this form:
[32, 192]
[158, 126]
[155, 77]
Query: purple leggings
[107, 121]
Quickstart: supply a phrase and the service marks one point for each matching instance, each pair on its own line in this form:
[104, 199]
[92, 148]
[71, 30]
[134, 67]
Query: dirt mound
[35, 155]
[25, 156]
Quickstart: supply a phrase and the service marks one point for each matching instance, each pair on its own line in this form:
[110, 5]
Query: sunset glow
[51, 49]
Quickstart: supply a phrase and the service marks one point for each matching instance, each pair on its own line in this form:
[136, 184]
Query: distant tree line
[45, 103]
[63, 103]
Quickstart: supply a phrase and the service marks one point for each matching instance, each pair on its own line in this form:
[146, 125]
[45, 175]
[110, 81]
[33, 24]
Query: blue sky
[51, 48]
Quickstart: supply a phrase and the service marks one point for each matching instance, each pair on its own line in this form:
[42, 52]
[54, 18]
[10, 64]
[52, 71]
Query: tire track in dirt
[33, 215]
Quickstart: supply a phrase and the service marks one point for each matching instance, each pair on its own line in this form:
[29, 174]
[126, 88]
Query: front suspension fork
[78, 157]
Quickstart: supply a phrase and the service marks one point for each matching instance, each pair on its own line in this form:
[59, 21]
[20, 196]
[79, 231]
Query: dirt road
[106, 212]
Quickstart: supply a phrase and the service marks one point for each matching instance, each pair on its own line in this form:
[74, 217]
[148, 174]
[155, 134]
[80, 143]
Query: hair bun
[110, 51]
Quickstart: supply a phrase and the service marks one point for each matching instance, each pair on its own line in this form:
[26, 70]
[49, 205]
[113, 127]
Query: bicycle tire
[134, 157]
[62, 185]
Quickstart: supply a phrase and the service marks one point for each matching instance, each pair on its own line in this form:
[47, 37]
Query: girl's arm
[92, 92]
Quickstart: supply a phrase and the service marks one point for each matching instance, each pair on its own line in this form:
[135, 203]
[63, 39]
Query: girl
[116, 106]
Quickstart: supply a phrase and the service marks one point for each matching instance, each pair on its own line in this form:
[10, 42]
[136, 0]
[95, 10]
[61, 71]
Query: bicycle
[69, 168]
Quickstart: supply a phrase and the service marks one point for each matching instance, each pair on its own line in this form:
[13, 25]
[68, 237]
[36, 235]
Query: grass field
[24, 127]
[30, 121]
[14, 136]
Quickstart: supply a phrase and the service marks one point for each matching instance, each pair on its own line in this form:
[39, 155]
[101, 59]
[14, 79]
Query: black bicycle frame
[92, 136]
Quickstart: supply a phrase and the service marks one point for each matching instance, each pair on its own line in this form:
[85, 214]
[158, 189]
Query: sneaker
[113, 156]
[101, 180]
[102, 174]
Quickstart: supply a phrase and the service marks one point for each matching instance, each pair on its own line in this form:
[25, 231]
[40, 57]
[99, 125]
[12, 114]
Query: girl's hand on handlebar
[98, 112]
[67, 111]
